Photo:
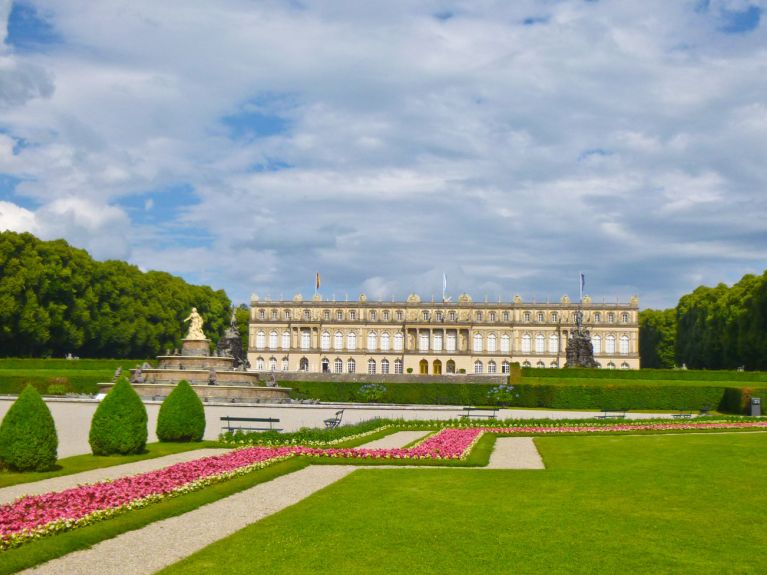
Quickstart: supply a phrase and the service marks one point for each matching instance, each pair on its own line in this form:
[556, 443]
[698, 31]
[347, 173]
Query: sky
[249, 145]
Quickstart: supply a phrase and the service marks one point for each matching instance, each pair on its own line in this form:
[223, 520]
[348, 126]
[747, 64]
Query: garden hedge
[557, 396]
[119, 425]
[182, 415]
[646, 374]
[28, 440]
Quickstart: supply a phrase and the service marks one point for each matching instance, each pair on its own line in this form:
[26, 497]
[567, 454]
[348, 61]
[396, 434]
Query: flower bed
[38, 515]
[32, 517]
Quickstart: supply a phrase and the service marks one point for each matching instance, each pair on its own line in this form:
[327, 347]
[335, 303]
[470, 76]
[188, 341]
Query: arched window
[285, 364]
[398, 366]
[351, 341]
[526, 343]
[450, 366]
[398, 341]
[526, 364]
[478, 345]
[260, 364]
[491, 368]
[384, 366]
[450, 343]
[371, 366]
[272, 364]
[540, 364]
[596, 343]
[303, 364]
[306, 339]
[285, 340]
[351, 366]
[384, 341]
[553, 364]
[272, 340]
[624, 365]
[553, 343]
[624, 345]
[338, 340]
[260, 340]
[423, 341]
[539, 343]
[338, 365]
[478, 367]
[491, 345]
[611, 365]
[506, 367]
[372, 341]
[505, 340]
[610, 344]
[325, 340]
[437, 341]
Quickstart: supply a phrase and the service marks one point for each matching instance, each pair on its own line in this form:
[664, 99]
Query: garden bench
[335, 421]
[229, 423]
[681, 414]
[612, 414]
[480, 412]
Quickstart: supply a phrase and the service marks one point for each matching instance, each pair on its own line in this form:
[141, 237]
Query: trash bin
[756, 406]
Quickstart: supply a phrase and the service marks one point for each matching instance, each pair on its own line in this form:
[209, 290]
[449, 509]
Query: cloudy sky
[510, 145]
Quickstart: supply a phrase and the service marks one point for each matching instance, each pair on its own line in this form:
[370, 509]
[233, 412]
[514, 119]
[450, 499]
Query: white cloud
[617, 138]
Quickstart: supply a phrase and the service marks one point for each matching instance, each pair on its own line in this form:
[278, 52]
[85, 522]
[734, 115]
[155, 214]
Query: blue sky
[510, 145]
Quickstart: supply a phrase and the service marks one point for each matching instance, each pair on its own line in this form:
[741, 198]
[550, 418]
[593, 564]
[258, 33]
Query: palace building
[434, 337]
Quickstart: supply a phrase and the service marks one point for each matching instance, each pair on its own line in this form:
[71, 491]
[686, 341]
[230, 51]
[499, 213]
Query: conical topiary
[182, 415]
[119, 424]
[28, 440]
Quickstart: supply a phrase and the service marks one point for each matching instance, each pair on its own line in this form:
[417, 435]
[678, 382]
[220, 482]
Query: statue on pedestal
[195, 325]
[230, 344]
[580, 352]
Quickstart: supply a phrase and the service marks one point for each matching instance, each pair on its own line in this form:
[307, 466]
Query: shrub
[409, 370]
[371, 392]
[182, 415]
[28, 440]
[119, 424]
[502, 394]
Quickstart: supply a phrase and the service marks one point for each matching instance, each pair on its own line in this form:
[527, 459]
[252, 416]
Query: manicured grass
[48, 548]
[647, 504]
[81, 375]
[80, 463]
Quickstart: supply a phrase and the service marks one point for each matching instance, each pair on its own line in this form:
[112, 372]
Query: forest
[56, 299]
[718, 327]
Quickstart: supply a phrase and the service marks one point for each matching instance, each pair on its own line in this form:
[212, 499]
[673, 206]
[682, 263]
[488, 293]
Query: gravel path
[397, 439]
[515, 453]
[8, 494]
[162, 543]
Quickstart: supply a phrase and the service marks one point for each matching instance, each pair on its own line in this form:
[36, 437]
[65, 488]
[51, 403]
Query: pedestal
[195, 347]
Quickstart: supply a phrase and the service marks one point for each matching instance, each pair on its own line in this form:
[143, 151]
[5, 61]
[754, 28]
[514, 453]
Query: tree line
[718, 327]
[56, 299]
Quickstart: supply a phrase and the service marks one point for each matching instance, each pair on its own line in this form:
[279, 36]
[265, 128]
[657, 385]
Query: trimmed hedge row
[14, 384]
[558, 396]
[650, 374]
[67, 364]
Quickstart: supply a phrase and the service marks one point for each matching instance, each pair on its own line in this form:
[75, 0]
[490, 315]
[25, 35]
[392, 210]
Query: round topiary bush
[182, 415]
[119, 424]
[28, 440]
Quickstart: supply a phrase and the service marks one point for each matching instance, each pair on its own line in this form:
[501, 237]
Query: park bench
[682, 414]
[705, 410]
[479, 412]
[229, 423]
[335, 421]
[612, 414]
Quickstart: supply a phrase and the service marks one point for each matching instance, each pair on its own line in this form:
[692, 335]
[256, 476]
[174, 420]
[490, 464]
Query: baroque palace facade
[433, 337]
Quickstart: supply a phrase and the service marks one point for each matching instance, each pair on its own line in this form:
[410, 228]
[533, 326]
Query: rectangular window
[307, 315]
[386, 315]
[352, 315]
[437, 342]
[425, 315]
[478, 315]
[440, 316]
[423, 342]
[326, 315]
[275, 315]
[287, 314]
[306, 339]
[339, 315]
[261, 314]
[505, 316]
[527, 316]
[492, 316]
[541, 318]
[450, 343]
[372, 315]
[399, 315]
[451, 316]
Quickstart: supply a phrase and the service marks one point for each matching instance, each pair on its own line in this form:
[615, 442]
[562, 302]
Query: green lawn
[642, 504]
[81, 375]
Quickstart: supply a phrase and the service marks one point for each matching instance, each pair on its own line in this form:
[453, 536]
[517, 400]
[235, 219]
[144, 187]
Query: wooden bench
[229, 423]
[334, 422]
[613, 414]
[479, 412]
[681, 414]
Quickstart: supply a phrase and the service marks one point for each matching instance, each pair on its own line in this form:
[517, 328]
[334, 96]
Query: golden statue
[195, 325]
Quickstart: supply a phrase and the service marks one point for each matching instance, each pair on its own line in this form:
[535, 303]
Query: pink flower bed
[37, 515]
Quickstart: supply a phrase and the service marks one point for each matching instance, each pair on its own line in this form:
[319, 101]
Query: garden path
[9, 494]
[515, 453]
